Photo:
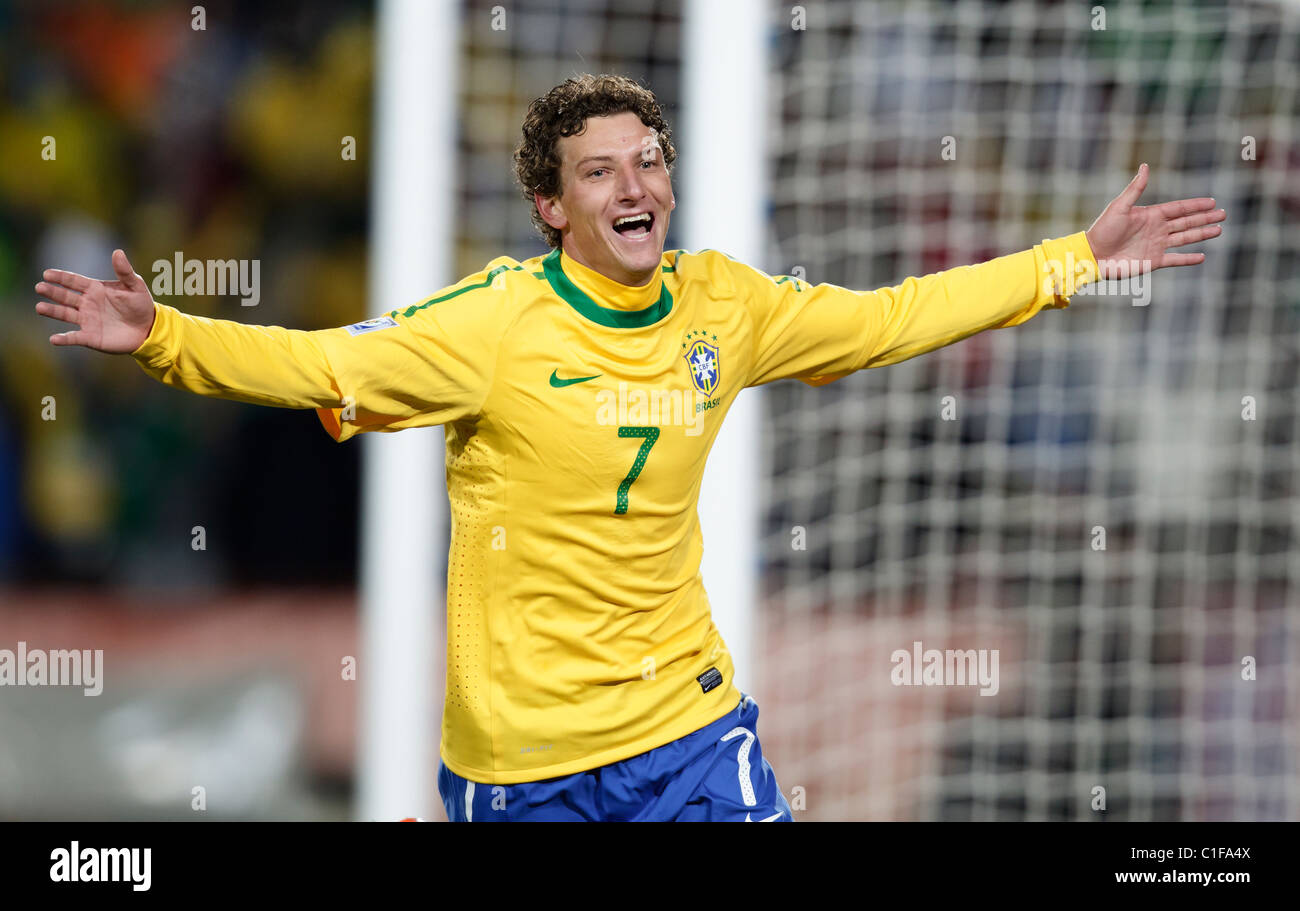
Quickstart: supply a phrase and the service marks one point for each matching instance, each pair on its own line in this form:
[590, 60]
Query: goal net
[1106, 496]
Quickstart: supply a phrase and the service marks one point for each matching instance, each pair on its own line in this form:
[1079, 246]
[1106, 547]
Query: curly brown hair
[563, 111]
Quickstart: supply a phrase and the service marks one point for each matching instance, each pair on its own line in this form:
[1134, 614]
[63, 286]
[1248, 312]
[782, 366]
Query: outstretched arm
[818, 333]
[262, 365]
[429, 365]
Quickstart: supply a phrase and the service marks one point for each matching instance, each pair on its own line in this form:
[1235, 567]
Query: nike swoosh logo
[774, 816]
[558, 383]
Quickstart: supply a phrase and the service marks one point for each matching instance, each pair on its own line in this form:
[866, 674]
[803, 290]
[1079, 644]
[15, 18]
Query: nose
[630, 188]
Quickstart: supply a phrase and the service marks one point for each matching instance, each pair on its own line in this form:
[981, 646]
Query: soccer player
[581, 391]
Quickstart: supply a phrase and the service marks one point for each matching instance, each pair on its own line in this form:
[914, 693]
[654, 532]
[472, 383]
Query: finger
[1185, 206]
[60, 294]
[68, 279]
[1194, 235]
[74, 337]
[1133, 192]
[57, 311]
[122, 266]
[1181, 259]
[1195, 221]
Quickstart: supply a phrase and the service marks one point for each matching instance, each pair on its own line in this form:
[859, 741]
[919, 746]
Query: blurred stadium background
[1120, 668]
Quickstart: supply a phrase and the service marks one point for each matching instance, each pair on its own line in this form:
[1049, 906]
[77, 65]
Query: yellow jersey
[579, 413]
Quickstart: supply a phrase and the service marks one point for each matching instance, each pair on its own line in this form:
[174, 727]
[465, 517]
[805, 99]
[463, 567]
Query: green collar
[574, 296]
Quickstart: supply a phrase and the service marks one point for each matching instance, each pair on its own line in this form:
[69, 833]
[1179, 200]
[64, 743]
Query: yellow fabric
[576, 629]
[610, 293]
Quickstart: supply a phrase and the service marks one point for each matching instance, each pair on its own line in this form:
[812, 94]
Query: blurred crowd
[220, 136]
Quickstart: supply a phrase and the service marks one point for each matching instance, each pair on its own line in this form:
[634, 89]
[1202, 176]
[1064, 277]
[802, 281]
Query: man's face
[611, 170]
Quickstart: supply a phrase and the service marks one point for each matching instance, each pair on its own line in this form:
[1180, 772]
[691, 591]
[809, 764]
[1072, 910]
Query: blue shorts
[715, 774]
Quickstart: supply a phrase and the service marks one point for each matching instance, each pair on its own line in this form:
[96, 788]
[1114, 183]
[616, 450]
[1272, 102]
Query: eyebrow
[593, 158]
[608, 158]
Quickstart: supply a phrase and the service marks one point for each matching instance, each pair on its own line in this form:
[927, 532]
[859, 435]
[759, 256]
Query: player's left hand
[1129, 239]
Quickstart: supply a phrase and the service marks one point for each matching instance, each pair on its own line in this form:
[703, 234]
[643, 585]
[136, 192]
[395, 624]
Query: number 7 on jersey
[650, 436]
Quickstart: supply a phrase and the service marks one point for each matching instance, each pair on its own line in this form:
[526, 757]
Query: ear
[672, 202]
[551, 210]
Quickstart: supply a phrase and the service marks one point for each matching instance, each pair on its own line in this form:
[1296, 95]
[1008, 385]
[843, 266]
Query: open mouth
[635, 227]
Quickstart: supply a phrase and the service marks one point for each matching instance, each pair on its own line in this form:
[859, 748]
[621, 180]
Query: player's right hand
[115, 317]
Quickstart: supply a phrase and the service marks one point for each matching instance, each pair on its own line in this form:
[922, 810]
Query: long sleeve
[429, 364]
[818, 333]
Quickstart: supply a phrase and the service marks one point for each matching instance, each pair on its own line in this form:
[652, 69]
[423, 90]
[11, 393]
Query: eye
[649, 161]
[595, 172]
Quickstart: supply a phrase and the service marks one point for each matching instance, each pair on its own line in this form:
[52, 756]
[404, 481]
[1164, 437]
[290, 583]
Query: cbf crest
[702, 358]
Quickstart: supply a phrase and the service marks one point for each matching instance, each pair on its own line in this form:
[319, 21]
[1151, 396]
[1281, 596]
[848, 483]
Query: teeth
[627, 218]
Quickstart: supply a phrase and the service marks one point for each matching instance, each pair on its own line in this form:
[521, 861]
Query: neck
[623, 277]
[609, 292]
